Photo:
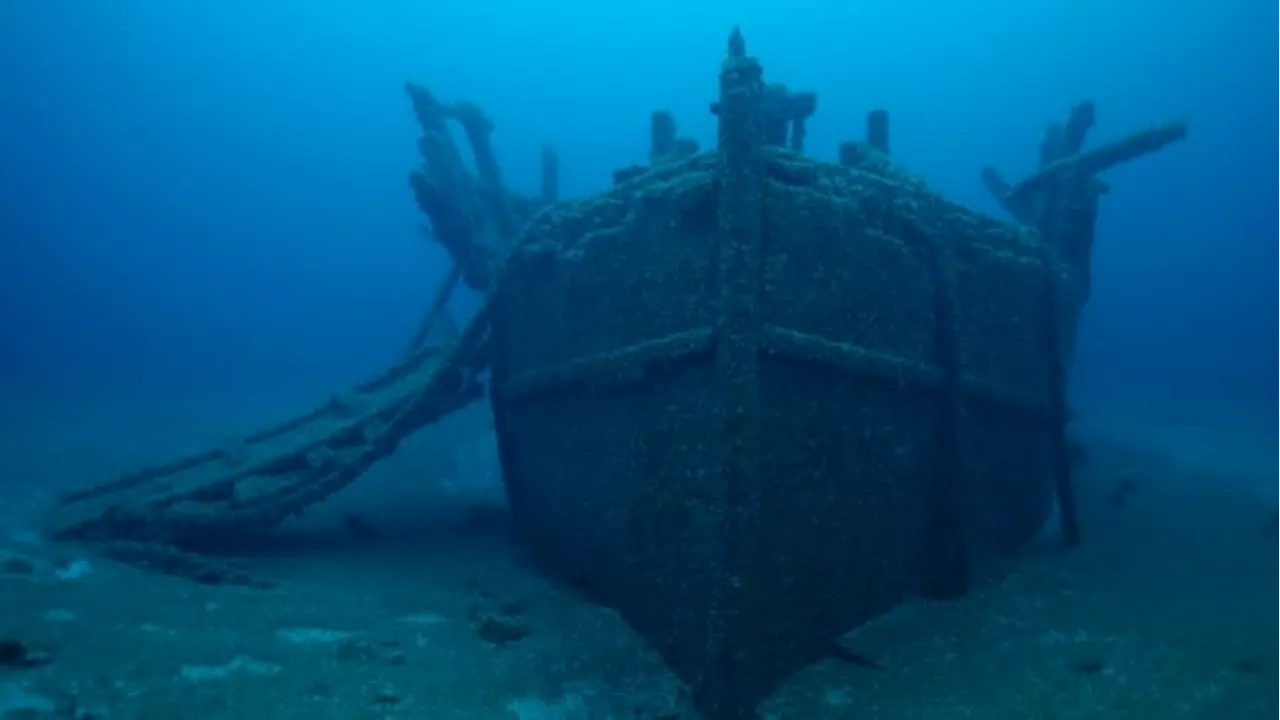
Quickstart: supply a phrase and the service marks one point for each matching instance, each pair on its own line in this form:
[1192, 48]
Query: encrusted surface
[734, 429]
[750, 399]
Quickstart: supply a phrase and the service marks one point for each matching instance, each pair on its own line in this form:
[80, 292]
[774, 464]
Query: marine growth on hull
[748, 397]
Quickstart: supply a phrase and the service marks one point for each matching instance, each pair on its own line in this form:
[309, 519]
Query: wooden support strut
[438, 308]
[662, 135]
[946, 573]
[878, 130]
[1057, 356]
[726, 693]
[445, 191]
[447, 195]
[1091, 163]
[478, 128]
[1060, 201]
[549, 176]
[274, 473]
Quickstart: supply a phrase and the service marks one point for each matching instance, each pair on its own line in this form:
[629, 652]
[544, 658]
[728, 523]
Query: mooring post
[662, 135]
[803, 106]
[550, 187]
[728, 691]
[850, 154]
[878, 130]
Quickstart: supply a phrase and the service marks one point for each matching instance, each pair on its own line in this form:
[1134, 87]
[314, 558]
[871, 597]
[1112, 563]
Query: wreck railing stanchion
[662, 135]
[878, 130]
[665, 141]
[549, 177]
[853, 153]
[803, 106]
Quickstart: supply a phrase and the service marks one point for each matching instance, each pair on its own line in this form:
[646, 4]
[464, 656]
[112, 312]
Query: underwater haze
[774, 432]
[208, 201]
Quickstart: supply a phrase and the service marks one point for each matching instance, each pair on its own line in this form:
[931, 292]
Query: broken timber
[1060, 199]
[1095, 161]
[249, 486]
[252, 485]
[765, 398]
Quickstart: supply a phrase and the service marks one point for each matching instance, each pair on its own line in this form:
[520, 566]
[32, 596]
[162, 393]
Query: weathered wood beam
[999, 189]
[438, 308]
[1050, 146]
[1079, 123]
[1095, 161]
[478, 128]
[662, 135]
[803, 106]
[549, 187]
[878, 130]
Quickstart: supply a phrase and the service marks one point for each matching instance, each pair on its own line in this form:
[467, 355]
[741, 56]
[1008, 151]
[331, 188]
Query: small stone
[17, 566]
[355, 650]
[1249, 666]
[423, 619]
[1088, 666]
[312, 635]
[74, 570]
[319, 689]
[385, 696]
[501, 630]
[65, 705]
[15, 654]
[498, 623]
[515, 607]
[238, 664]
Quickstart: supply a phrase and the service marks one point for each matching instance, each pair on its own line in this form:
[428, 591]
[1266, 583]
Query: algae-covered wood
[753, 400]
[606, 400]
[750, 399]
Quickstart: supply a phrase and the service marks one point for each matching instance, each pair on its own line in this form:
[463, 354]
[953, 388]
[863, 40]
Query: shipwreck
[749, 398]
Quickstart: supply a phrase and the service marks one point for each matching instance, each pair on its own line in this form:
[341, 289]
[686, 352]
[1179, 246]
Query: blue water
[218, 190]
[205, 221]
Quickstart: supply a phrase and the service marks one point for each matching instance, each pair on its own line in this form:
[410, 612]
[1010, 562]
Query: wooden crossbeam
[1092, 162]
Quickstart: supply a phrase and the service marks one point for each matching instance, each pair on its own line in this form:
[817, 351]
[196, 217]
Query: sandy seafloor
[1169, 610]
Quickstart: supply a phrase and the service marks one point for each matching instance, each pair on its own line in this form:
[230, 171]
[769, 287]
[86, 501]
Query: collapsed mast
[739, 490]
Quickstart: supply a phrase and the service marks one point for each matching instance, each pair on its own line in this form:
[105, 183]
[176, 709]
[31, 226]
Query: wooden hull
[745, 489]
